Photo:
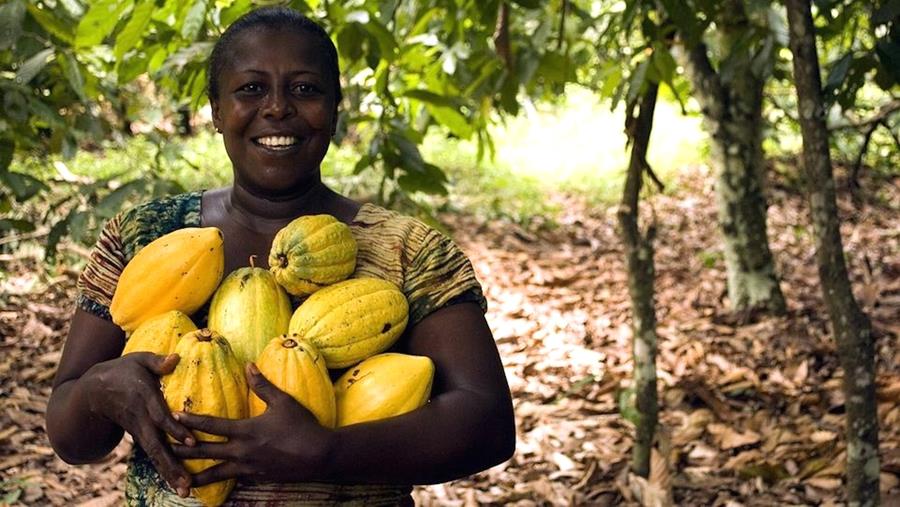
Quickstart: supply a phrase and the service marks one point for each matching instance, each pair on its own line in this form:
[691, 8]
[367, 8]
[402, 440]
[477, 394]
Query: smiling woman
[275, 92]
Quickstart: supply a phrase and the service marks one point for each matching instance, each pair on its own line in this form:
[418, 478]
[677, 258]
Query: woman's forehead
[264, 44]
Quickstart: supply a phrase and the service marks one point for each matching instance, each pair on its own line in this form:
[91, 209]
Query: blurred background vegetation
[483, 106]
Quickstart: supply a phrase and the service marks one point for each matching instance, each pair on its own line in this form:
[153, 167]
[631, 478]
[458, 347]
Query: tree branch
[562, 24]
[707, 79]
[881, 116]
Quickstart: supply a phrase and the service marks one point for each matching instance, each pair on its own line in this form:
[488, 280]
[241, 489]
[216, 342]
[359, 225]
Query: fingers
[158, 364]
[169, 468]
[261, 385]
[209, 424]
[223, 471]
[163, 419]
[204, 450]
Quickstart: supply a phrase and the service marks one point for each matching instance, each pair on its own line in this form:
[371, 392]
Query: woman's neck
[265, 214]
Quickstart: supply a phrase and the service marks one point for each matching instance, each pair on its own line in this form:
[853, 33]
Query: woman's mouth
[277, 143]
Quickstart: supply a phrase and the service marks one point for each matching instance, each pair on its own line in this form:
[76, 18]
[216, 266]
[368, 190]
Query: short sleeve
[97, 282]
[438, 274]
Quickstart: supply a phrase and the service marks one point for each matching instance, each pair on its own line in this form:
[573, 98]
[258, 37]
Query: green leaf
[429, 97]
[838, 73]
[73, 8]
[888, 11]
[99, 22]
[57, 231]
[128, 69]
[196, 52]
[385, 38]
[33, 66]
[24, 187]
[528, 4]
[133, 32]
[664, 63]
[889, 55]
[452, 119]
[12, 16]
[349, 42]
[234, 11]
[685, 19]
[62, 30]
[7, 148]
[113, 202]
[194, 20]
[636, 83]
[429, 179]
[15, 224]
[72, 70]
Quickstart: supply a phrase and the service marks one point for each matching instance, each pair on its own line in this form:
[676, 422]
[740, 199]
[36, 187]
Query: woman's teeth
[277, 142]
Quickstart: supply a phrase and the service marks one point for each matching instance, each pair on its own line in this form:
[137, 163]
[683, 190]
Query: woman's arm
[468, 426]
[96, 394]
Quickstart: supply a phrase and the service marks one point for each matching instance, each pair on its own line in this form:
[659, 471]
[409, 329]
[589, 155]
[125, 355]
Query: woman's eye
[250, 88]
[305, 89]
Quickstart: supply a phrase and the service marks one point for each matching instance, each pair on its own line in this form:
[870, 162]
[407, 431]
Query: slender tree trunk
[641, 274]
[732, 107]
[849, 324]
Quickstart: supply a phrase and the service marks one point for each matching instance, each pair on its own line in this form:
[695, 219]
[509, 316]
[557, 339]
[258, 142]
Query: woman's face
[276, 111]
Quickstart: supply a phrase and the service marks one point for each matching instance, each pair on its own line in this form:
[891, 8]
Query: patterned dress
[428, 266]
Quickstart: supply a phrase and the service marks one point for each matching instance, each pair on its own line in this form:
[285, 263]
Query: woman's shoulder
[373, 216]
[149, 220]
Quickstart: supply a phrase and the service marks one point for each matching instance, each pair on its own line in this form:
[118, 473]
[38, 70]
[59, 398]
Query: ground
[751, 407]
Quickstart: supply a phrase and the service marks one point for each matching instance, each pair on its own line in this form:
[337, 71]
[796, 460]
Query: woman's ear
[334, 121]
[216, 118]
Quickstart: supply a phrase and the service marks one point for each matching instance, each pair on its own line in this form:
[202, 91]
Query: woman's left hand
[284, 444]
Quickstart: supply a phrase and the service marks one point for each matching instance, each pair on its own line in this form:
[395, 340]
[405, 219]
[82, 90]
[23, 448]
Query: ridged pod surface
[296, 367]
[249, 309]
[382, 386]
[208, 380]
[312, 251]
[177, 271]
[159, 334]
[352, 320]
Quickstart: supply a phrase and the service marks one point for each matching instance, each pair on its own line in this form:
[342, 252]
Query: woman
[274, 91]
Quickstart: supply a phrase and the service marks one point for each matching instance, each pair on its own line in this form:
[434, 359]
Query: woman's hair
[271, 18]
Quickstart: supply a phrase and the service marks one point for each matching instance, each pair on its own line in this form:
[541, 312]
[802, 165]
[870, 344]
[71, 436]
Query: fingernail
[176, 416]
[190, 442]
[184, 492]
[183, 482]
[253, 369]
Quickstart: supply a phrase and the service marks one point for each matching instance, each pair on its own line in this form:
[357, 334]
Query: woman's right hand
[126, 391]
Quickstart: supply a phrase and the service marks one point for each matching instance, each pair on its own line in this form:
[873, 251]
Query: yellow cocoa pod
[352, 320]
[208, 380]
[382, 386]
[295, 366]
[312, 251]
[177, 271]
[249, 308]
[159, 334]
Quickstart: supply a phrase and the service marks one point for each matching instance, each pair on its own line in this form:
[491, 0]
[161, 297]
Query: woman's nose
[278, 104]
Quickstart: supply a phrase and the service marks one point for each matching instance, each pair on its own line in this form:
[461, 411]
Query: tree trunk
[639, 254]
[731, 100]
[849, 324]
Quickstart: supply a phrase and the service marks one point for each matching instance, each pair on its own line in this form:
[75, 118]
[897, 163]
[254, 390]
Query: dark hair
[271, 18]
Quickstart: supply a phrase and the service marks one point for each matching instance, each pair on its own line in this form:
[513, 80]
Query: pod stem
[253, 261]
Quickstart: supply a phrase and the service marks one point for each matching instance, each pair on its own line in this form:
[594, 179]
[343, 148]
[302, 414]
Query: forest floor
[751, 407]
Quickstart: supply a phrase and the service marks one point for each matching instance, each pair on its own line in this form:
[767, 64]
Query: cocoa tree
[849, 325]
[728, 70]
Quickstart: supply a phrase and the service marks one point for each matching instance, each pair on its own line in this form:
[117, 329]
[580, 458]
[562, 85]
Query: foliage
[78, 74]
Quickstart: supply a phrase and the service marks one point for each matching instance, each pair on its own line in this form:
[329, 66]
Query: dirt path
[752, 411]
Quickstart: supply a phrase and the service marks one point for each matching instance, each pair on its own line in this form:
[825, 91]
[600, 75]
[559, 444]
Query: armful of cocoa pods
[98, 395]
